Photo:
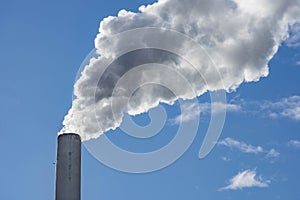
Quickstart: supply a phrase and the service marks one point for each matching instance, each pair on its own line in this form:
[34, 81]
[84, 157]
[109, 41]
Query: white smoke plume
[240, 36]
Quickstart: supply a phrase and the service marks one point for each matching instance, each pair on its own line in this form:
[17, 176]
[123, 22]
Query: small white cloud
[298, 63]
[233, 107]
[246, 179]
[294, 144]
[245, 148]
[293, 113]
[273, 115]
[226, 159]
[273, 154]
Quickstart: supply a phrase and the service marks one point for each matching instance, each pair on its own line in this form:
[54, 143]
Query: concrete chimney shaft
[68, 167]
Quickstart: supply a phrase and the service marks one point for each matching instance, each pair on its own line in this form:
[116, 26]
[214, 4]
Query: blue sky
[42, 47]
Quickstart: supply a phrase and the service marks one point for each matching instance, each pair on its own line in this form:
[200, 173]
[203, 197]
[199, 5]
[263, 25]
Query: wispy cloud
[294, 144]
[218, 107]
[246, 179]
[248, 148]
[191, 110]
[288, 107]
[243, 147]
[273, 154]
[226, 159]
[294, 36]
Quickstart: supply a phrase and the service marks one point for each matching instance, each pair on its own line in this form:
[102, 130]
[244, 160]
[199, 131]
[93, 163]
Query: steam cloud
[240, 36]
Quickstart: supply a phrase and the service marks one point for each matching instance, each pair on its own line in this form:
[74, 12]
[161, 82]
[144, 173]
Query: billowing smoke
[240, 37]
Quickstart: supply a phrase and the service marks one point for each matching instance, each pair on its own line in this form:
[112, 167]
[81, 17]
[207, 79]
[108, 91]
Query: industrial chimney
[68, 167]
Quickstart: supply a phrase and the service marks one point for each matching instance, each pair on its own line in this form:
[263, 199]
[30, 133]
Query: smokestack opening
[68, 167]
